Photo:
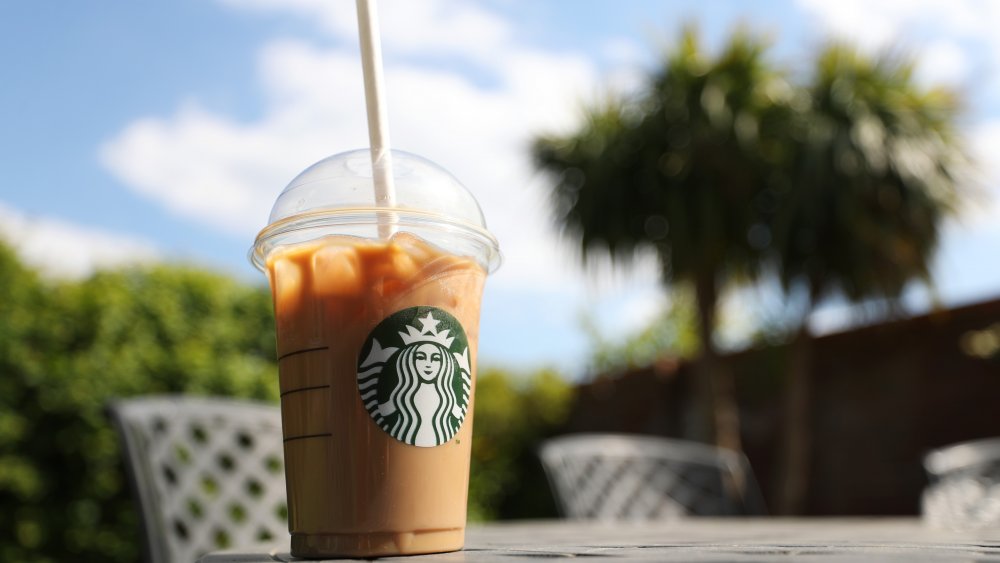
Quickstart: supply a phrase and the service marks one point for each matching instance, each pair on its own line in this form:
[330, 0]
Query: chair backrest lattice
[208, 473]
[963, 492]
[628, 477]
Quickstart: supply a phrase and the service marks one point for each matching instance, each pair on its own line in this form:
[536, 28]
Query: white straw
[378, 122]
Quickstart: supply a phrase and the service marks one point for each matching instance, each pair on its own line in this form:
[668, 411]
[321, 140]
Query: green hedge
[514, 413]
[67, 348]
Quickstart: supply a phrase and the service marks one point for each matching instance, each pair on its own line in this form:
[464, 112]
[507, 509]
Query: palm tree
[684, 170]
[875, 173]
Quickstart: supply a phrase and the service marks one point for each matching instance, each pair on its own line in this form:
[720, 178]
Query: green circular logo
[414, 376]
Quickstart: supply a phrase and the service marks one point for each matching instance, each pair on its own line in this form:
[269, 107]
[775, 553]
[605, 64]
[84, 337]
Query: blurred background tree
[874, 170]
[684, 169]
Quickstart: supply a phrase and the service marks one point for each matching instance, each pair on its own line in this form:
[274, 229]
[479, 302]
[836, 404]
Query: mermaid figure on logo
[429, 394]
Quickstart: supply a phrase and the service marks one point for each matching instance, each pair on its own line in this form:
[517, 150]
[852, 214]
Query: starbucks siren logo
[414, 376]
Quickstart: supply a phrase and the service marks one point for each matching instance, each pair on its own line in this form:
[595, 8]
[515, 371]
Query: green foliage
[65, 350]
[513, 414]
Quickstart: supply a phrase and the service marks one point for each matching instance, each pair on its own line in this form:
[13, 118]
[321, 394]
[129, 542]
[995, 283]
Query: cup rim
[317, 219]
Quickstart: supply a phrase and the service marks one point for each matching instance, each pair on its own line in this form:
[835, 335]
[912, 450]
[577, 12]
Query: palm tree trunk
[796, 449]
[716, 379]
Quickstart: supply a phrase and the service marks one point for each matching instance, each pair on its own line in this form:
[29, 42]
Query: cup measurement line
[310, 388]
[304, 351]
[322, 435]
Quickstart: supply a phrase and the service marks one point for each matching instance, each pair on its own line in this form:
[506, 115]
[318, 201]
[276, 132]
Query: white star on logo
[429, 324]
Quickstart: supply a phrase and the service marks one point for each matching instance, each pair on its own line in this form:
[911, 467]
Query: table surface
[717, 540]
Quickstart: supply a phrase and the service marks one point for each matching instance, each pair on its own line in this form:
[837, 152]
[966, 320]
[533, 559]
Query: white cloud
[64, 250]
[226, 173]
[951, 37]
[944, 62]
[428, 27]
[879, 24]
[984, 209]
[865, 22]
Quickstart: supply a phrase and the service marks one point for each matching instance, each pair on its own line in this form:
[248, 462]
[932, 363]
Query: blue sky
[163, 131]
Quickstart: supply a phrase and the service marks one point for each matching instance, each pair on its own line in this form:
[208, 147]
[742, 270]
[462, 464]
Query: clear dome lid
[336, 196]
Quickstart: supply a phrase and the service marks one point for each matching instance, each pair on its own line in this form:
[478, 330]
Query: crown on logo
[427, 333]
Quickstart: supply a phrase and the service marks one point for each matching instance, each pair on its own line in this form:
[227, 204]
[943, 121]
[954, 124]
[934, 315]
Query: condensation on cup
[377, 317]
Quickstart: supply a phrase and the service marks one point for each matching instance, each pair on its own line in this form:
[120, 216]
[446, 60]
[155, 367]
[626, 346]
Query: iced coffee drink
[377, 345]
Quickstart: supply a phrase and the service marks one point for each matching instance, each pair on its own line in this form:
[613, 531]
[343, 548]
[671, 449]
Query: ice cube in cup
[336, 270]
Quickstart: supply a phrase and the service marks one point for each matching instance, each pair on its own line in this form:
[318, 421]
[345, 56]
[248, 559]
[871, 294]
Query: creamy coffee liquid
[376, 348]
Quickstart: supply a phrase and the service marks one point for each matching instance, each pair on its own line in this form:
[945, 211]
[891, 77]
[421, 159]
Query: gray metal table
[763, 539]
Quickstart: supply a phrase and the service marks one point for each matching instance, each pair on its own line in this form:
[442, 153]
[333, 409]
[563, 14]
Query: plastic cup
[377, 340]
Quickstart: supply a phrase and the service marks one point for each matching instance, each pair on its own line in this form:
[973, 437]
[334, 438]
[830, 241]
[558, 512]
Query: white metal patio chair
[631, 477]
[963, 492]
[207, 473]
